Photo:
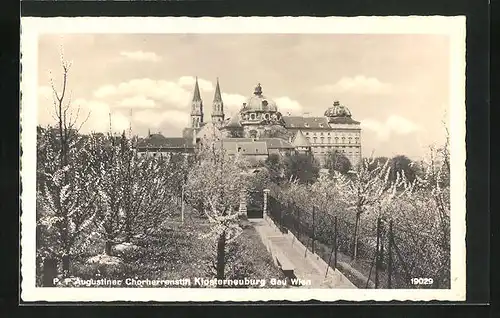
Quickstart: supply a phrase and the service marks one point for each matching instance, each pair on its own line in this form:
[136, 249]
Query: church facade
[259, 128]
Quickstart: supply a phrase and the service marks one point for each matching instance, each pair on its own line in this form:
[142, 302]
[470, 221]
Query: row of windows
[318, 133]
[336, 140]
[196, 122]
[347, 150]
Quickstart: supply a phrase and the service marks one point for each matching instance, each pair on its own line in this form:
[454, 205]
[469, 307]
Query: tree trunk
[49, 272]
[65, 264]
[356, 234]
[128, 228]
[107, 248]
[221, 255]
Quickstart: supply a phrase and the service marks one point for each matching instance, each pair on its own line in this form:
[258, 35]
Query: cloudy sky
[397, 86]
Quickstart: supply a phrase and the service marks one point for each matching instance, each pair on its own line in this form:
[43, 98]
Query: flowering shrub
[419, 211]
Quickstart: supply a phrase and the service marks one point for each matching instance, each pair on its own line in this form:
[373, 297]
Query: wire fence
[386, 256]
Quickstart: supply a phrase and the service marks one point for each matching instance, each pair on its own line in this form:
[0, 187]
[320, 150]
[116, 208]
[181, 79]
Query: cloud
[137, 102]
[104, 91]
[232, 103]
[394, 124]
[166, 104]
[99, 116]
[173, 119]
[358, 84]
[168, 93]
[287, 105]
[141, 56]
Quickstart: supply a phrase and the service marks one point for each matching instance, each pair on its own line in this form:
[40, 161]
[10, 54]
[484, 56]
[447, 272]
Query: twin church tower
[197, 107]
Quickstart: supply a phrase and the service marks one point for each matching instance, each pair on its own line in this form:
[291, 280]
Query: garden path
[307, 266]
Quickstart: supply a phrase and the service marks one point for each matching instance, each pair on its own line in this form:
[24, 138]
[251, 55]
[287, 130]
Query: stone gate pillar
[243, 201]
[266, 198]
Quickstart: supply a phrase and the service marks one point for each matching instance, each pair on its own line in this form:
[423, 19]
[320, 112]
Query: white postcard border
[31, 28]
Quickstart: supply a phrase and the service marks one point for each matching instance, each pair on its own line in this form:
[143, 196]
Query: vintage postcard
[243, 159]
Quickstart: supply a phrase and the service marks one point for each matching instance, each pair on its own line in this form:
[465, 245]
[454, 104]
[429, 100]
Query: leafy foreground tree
[65, 201]
[421, 214]
[364, 191]
[63, 213]
[134, 193]
[337, 161]
[301, 167]
[218, 180]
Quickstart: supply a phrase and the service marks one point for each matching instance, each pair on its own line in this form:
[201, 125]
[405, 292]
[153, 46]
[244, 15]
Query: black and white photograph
[243, 159]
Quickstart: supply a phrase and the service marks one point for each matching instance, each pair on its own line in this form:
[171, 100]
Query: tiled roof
[252, 147]
[246, 146]
[343, 120]
[306, 122]
[208, 130]
[300, 140]
[277, 143]
[160, 141]
[272, 143]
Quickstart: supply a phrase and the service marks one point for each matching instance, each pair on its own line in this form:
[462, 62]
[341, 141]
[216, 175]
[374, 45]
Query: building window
[252, 116]
[322, 140]
[321, 125]
[306, 125]
[329, 139]
[328, 134]
[336, 140]
[314, 138]
[350, 139]
[307, 134]
[309, 139]
[321, 133]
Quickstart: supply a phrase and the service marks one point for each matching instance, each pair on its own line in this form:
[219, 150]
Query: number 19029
[422, 281]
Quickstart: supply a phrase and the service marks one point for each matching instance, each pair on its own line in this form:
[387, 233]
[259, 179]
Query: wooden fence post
[389, 261]
[331, 253]
[299, 229]
[313, 236]
[335, 243]
[377, 255]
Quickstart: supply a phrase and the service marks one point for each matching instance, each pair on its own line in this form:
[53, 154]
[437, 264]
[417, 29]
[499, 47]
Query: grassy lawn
[179, 251]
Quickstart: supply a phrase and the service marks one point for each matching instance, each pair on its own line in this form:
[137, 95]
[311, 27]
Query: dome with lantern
[259, 108]
[339, 114]
[259, 102]
[338, 110]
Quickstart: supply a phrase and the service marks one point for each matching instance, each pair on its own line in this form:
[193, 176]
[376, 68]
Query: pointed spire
[217, 96]
[300, 140]
[196, 107]
[217, 106]
[196, 95]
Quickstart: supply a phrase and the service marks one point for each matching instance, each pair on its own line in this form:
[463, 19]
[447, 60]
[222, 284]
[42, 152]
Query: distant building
[247, 132]
[159, 145]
